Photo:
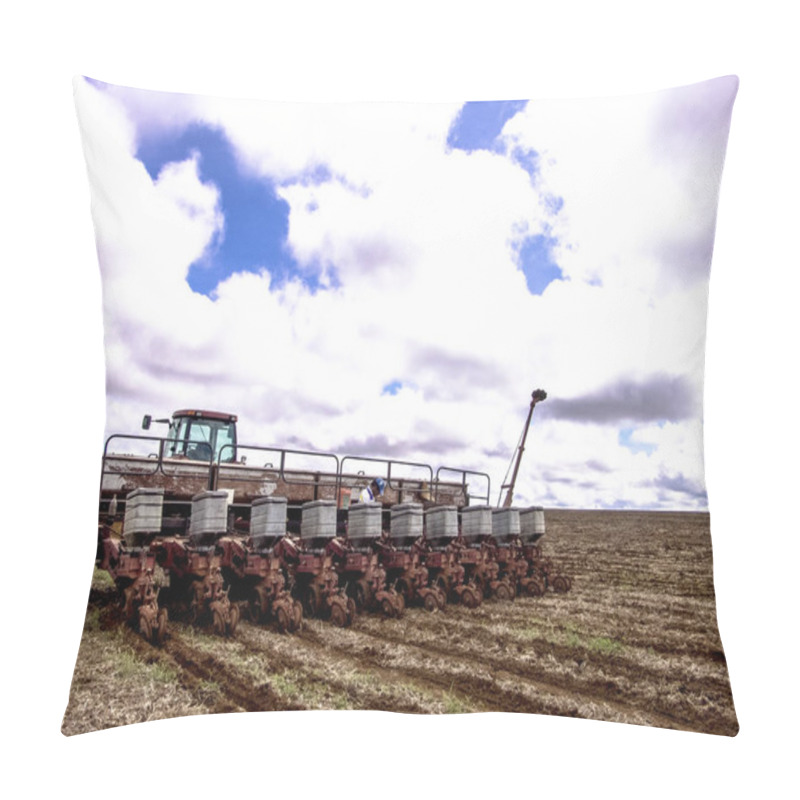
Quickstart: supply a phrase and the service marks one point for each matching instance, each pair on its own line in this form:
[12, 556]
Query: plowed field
[635, 641]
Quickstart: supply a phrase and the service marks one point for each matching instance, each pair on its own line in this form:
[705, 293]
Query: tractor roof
[195, 412]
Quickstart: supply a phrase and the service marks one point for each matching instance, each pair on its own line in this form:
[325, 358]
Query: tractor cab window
[225, 435]
[198, 439]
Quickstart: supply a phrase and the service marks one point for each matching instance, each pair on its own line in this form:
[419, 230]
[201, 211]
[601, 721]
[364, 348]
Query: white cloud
[428, 294]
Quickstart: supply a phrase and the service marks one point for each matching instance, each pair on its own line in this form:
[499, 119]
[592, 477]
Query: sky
[395, 279]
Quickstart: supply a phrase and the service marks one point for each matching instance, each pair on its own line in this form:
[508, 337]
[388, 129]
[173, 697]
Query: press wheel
[233, 619]
[219, 622]
[469, 597]
[338, 614]
[145, 628]
[161, 628]
[388, 608]
[282, 619]
[297, 616]
[502, 592]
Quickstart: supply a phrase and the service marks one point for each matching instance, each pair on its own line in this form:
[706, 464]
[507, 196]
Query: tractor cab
[199, 435]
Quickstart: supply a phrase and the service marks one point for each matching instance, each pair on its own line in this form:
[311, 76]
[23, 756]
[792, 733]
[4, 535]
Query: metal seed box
[441, 524]
[505, 523]
[318, 519]
[531, 522]
[209, 517]
[143, 514]
[267, 520]
[406, 523]
[364, 521]
[476, 521]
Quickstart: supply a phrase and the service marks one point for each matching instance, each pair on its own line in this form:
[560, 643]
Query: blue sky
[478, 127]
[401, 277]
[479, 124]
[257, 219]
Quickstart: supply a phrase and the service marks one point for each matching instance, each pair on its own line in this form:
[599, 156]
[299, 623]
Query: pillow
[420, 390]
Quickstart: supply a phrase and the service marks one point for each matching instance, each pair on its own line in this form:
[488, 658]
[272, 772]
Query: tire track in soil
[240, 693]
[375, 702]
[628, 667]
[505, 700]
[471, 688]
[194, 668]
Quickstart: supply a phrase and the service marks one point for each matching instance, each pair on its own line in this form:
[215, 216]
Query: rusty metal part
[406, 574]
[469, 595]
[288, 613]
[160, 633]
[560, 584]
[297, 616]
[533, 587]
[132, 571]
[219, 622]
[145, 624]
[430, 601]
[282, 618]
[503, 591]
[259, 604]
[388, 607]
[339, 614]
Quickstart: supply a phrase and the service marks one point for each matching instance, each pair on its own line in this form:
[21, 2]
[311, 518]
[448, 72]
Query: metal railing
[301, 475]
[469, 496]
[159, 458]
[393, 481]
[399, 475]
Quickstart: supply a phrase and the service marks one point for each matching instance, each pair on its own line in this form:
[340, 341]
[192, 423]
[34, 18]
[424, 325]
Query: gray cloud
[659, 398]
[689, 258]
[448, 376]
[681, 485]
[379, 445]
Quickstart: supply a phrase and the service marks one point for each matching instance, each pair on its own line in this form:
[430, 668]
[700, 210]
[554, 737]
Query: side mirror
[146, 422]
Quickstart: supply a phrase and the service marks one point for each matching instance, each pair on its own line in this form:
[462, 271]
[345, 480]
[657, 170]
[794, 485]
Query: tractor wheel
[400, 604]
[431, 601]
[161, 629]
[441, 598]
